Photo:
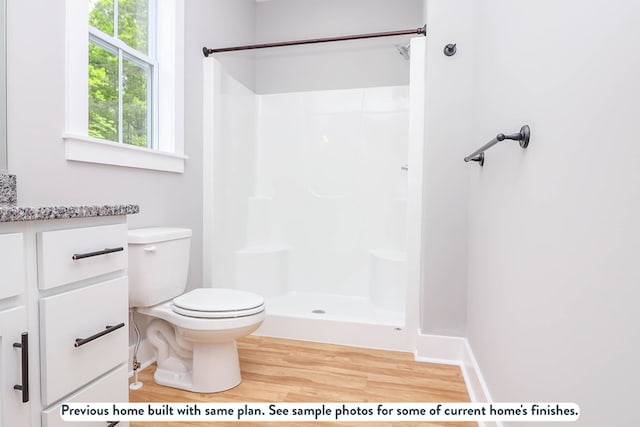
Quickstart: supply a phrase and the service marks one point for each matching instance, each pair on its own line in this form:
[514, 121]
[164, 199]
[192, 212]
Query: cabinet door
[13, 411]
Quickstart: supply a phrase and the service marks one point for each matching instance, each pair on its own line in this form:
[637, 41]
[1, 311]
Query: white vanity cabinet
[73, 304]
[14, 337]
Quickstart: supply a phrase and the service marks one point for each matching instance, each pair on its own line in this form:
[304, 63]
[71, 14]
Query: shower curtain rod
[421, 31]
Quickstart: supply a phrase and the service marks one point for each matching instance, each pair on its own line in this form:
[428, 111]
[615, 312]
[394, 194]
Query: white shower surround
[307, 203]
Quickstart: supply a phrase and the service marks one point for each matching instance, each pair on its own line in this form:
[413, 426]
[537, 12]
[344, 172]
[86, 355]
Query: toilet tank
[158, 264]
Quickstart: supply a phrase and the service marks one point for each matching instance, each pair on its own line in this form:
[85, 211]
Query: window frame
[168, 152]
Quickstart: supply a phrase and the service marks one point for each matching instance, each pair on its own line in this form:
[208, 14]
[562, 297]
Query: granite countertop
[26, 213]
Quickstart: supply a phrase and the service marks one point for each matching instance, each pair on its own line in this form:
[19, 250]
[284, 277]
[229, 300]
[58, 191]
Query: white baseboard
[146, 355]
[439, 349]
[456, 351]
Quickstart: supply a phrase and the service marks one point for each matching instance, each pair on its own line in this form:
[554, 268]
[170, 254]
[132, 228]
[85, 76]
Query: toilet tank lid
[143, 236]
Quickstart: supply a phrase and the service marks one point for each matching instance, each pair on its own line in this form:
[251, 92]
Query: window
[122, 70]
[123, 108]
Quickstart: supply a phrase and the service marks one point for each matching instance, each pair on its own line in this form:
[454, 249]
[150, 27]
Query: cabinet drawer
[81, 313]
[98, 250]
[110, 388]
[11, 265]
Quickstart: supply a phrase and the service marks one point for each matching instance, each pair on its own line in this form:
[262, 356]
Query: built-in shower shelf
[262, 269]
[388, 271]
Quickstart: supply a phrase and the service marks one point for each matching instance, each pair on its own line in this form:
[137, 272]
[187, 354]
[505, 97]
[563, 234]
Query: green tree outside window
[120, 81]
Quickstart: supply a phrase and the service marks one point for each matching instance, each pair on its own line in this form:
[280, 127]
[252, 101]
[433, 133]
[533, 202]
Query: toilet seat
[214, 303]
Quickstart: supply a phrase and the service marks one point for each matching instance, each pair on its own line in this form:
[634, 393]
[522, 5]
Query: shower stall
[313, 198]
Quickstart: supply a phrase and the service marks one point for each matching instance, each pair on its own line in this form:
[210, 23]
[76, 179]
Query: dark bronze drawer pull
[108, 330]
[96, 253]
[24, 346]
[113, 423]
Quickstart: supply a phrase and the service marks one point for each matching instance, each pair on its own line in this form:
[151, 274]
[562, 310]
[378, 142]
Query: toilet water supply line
[135, 385]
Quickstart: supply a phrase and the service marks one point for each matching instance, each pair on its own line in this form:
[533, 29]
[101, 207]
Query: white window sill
[92, 150]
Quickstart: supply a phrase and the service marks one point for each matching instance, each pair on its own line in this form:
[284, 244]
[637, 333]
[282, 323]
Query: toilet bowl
[194, 334]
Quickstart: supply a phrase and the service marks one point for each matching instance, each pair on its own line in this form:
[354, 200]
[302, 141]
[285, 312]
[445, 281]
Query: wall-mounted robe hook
[450, 49]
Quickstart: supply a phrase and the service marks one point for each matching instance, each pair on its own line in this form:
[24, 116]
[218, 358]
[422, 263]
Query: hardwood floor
[279, 370]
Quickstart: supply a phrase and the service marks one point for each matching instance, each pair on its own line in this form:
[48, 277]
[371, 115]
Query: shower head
[404, 50]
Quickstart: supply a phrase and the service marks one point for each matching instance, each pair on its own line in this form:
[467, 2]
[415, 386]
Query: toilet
[194, 334]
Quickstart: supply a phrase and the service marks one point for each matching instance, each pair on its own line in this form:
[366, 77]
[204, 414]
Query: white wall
[448, 138]
[229, 23]
[211, 24]
[36, 66]
[554, 236]
[332, 66]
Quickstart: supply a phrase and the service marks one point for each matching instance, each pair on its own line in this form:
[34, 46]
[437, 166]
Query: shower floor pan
[334, 319]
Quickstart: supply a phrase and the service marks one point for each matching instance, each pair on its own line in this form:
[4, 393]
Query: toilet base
[197, 354]
[215, 368]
